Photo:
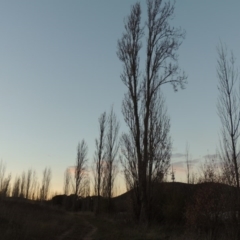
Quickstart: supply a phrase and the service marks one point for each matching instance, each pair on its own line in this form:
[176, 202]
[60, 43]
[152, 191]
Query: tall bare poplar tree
[229, 113]
[143, 89]
[4, 181]
[23, 185]
[80, 167]
[187, 163]
[46, 179]
[29, 180]
[67, 182]
[158, 161]
[99, 158]
[34, 186]
[112, 146]
[16, 187]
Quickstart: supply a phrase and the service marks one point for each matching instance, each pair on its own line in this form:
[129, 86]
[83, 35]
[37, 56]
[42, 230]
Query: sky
[59, 71]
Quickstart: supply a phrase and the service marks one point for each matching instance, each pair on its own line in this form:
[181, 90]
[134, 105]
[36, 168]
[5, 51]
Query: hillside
[173, 198]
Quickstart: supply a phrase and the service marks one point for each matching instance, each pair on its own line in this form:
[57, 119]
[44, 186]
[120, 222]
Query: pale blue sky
[59, 71]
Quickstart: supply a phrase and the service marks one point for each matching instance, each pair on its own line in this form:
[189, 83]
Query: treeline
[26, 185]
[83, 179]
[103, 168]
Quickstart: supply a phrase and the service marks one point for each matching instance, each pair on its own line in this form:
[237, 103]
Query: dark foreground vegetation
[181, 211]
[27, 220]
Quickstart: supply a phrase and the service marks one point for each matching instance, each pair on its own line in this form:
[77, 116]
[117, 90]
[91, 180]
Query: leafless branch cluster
[210, 170]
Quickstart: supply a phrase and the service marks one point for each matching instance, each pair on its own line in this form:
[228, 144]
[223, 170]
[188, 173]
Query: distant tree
[229, 113]
[187, 163]
[112, 146]
[16, 187]
[29, 180]
[209, 170]
[67, 182]
[37, 194]
[23, 185]
[140, 105]
[2, 174]
[99, 159]
[172, 175]
[34, 186]
[80, 167]
[46, 179]
[4, 180]
[6, 186]
[192, 177]
[86, 186]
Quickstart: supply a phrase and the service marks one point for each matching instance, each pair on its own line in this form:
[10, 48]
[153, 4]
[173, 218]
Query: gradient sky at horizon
[59, 71]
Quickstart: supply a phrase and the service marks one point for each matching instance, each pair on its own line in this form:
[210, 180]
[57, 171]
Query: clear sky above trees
[59, 71]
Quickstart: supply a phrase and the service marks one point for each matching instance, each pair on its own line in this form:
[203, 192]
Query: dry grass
[124, 228]
[113, 228]
[24, 221]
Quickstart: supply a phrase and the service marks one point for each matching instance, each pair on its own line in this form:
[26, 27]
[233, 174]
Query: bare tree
[112, 146]
[229, 113]
[5, 192]
[46, 179]
[159, 155]
[80, 167]
[99, 158]
[143, 86]
[16, 187]
[34, 186]
[23, 185]
[2, 174]
[129, 162]
[86, 186]
[29, 179]
[38, 192]
[193, 178]
[159, 140]
[172, 175]
[187, 163]
[4, 180]
[210, 170]
[67, 182]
